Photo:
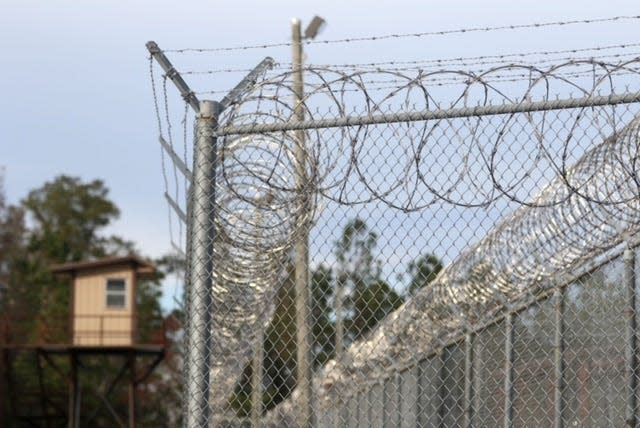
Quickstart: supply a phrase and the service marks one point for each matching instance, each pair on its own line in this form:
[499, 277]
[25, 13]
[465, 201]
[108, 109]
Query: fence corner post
[201, 230]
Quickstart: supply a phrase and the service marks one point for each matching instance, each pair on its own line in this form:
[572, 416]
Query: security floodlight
[314, 28]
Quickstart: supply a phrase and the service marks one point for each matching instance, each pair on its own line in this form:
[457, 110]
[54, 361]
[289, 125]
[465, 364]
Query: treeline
[349, 296]
[64, 221]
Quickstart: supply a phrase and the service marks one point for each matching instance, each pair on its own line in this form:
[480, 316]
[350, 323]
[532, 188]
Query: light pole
[301, 246]
[261, 203]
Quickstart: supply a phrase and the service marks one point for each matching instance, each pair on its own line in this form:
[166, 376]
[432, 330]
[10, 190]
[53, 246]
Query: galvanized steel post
[256, 382]
[631, 366]
[508, 371]
[468, 379]
[199, 282]
[441, 389]
[301, 246]
[339, 310]
[558, 354]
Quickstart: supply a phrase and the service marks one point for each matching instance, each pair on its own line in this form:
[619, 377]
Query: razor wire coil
[589, 206]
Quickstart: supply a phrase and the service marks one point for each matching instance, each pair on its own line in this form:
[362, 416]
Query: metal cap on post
[186, 93]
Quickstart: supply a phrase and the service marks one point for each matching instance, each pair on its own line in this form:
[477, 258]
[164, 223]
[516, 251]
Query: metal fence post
[558, 354]
[202, 234]
[508, 371]
[256, 382]
[631, 369]
[468, 379]
[441, 389]
[339, 310]
[301, 246]
[422, 414]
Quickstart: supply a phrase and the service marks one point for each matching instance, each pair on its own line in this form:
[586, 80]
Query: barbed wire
[588, 154]
[461, 61]
[413, 35]
[350, 166]
[413, 90]
[590, 207]
[163, 162]
[486, 59]
[378, 85]
[527, 254]
[466, 63]
[471, 66]
[277, 66]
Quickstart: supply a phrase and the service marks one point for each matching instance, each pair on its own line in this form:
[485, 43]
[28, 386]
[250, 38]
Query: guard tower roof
[143, 268]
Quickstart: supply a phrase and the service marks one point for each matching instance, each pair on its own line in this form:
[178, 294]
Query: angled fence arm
[186, 92]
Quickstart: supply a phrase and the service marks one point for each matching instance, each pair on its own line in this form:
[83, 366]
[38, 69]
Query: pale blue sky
[74, 80]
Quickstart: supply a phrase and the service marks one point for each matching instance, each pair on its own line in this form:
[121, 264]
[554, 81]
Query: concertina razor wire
[548, 156]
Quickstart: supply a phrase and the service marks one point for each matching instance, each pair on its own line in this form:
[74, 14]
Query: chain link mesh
[471, 245]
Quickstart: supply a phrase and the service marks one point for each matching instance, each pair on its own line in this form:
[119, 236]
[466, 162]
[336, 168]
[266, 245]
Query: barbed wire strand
[162, 154]
[414, 35]
[463, 61]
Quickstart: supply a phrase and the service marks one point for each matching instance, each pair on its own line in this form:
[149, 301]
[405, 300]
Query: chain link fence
[434, 248]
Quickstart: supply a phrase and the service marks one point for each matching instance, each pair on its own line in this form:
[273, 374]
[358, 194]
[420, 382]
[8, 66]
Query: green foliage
[423, 271]
[66, 220]
[323, 326]
[241, 400]
[354, 252]
[279, 364]
[371, 303]
[12, 250]
[367, 297]
[67, 216]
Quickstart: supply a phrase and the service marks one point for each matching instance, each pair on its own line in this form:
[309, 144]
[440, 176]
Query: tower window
[116, 293]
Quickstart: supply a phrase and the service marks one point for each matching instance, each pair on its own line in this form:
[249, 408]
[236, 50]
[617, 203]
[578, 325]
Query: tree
[367, 297]
[372, 303]
[12, 248]
[423, 271]
[323, 326]
[67, 218]
[355, 280]
[279, 363]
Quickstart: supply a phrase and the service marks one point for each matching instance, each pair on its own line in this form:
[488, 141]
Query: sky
[75, 89]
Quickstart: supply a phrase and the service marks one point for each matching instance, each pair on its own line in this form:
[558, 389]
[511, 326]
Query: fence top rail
[415, 116]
